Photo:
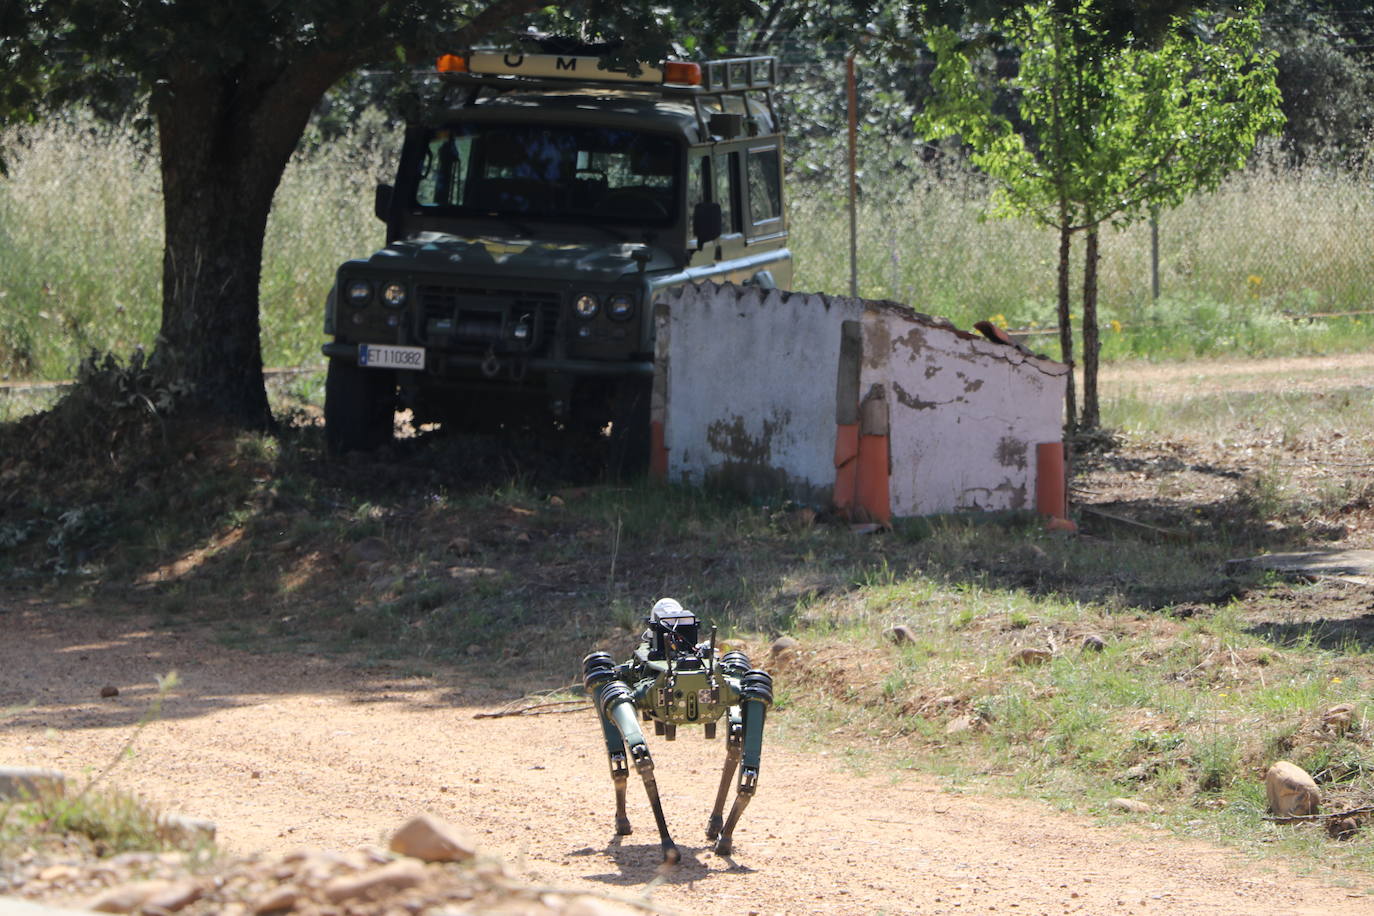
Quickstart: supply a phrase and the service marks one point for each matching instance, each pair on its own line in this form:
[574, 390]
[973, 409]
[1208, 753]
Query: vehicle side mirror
[382, 203]
[706, 221]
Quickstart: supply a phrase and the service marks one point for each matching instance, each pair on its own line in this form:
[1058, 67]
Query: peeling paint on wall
[1012, 453]
[761, 388]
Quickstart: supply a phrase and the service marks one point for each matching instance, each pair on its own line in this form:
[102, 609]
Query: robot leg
[756, 696]
[617, 703]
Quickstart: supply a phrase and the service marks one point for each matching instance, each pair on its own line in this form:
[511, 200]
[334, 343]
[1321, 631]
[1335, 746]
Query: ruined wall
[965, 414]
[837, 400]
[749, 375]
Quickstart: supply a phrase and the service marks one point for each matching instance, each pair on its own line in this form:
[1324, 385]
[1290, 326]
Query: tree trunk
[1092, 342]
[225, 139]
[1066, 328]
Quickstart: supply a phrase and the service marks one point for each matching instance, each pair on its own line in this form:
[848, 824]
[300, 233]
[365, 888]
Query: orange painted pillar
[1051, 484]
[874, 470]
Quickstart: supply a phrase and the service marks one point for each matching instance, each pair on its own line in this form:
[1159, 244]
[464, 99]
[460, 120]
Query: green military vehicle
[529, 231]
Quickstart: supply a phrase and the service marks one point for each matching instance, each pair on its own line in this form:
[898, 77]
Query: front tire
[359, 408]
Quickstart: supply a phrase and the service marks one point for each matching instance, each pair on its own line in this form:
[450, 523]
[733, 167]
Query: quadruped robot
[673, 679]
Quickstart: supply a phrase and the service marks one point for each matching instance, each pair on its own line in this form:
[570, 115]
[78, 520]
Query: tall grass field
[81, 241]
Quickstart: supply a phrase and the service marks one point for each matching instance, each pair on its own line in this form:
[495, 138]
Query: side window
[698, 187]
[442, 174]
[726, 190]
[765, 185]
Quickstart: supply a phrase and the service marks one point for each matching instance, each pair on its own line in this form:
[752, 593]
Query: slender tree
[1106, 129]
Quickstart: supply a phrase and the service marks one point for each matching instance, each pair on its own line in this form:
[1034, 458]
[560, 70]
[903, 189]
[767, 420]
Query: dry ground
[287, 750]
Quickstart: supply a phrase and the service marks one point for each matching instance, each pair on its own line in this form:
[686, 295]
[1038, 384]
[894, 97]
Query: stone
[109, 690]
[595, 906]
[176, 897]
[368, 550]
[431, 840]
[460, 546]
[1291, 791]
[185, 831]
[783, 644]
[799, 519]
[1023, 658]
[961, 724]
[1131, 805]
[125, 898]
[1342, 828]
[30, 782]
[282, 897]
[900, 634]
[397, 876]
[1093, 643]
[1339, 718]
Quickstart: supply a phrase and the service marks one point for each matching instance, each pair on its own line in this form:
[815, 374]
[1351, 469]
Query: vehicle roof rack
[503, 71]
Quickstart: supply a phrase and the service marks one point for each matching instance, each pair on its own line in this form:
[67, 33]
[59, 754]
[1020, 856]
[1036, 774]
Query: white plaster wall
[751, 376]
[750, 380]
[965, 415]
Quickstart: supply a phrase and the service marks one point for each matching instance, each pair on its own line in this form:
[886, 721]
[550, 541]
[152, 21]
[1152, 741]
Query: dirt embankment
[285, 752]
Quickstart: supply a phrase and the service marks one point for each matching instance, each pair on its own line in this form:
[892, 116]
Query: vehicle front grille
[463, 319]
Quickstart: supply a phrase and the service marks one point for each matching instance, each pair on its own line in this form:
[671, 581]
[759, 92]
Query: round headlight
[394, 294]
[358, 292]
[587, 305]
[620, 307]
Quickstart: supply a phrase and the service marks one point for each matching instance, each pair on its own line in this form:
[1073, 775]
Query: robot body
[673, 679]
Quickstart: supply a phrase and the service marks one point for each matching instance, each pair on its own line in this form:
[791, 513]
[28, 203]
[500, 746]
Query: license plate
[380, 357]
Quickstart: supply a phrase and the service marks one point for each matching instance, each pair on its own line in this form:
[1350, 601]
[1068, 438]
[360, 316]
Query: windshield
[540, 170]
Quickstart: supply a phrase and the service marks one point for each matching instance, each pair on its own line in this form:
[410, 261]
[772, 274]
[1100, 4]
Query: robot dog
[671, 680]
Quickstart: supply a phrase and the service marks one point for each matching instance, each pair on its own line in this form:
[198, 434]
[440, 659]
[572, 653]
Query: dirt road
[284, 752]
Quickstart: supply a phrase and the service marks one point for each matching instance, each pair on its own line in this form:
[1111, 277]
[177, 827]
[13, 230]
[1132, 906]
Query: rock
[1339, 718]
[1131, 805]
[1093, 643]
[397, 876]
[900, 634]
[1291, 791]
[432, 840]
[460, 546]
[783, 644]
[30, 782]
[125, 898]
[179, 896]
[1060, 526]
[185, 831]
[556, 502]
[961, 724]
[368, 550]
[282, 897]
[596, 906]
[1023, 658]
[1342, 828]
[109, 690]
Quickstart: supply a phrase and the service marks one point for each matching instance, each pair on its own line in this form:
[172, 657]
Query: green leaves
[1104, 131]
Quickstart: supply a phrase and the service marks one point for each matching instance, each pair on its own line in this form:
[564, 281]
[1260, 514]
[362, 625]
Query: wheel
[359, 408]
[627, 455]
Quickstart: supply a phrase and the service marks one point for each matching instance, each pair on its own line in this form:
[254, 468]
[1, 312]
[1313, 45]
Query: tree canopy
[230, 88]
[1104, 132]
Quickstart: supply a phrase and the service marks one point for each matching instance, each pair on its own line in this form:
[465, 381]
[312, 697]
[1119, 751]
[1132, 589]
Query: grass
[80, 256]
[451, 550]
[97, 819]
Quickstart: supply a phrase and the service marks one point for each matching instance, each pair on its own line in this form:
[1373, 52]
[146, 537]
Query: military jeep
[531, 226]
